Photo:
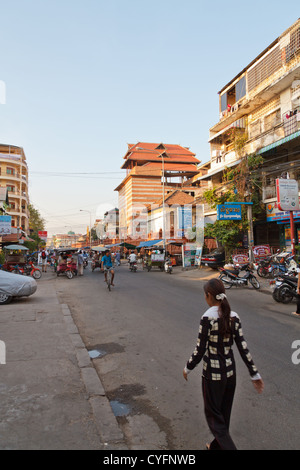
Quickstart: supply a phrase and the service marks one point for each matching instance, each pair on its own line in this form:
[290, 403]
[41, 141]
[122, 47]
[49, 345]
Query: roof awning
[149, 243]
[239, 123]
[223, 168]
[279, 142]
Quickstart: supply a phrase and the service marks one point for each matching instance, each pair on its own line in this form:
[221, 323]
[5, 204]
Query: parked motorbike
[232, 277]
[31, 270]
[278, 264]
[168, 266]
[285, 289]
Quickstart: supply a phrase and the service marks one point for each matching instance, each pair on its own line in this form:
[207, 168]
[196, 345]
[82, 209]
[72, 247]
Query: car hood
[16, 284]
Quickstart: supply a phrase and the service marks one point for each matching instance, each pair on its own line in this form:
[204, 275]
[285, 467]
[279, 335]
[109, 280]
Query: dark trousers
[298, 303]
[218, 398]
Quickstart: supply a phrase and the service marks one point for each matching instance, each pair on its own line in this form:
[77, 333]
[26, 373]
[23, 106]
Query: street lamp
[83, 210]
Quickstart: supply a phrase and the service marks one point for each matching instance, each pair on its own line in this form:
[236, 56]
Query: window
[10, 171]
[240, 88]
[224, 102]
[11, 188]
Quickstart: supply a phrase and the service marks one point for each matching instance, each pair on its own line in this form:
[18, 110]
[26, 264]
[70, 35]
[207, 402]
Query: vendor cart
[15, 255]
[155, 260]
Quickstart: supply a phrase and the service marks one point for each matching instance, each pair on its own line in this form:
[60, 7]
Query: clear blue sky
[84, 78]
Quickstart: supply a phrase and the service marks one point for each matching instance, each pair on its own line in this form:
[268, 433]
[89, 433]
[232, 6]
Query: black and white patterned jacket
[216, 351]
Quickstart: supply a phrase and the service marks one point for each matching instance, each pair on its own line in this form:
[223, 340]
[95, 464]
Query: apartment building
[14, 177]
[151, 170]
[261, 105]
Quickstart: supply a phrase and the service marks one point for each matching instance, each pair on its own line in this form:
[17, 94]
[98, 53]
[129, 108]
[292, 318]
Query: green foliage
[238, 182]
[36, 221]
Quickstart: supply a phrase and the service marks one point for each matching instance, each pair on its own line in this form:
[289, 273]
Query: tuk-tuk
[97, 255]
[66, 258]
[14, 255]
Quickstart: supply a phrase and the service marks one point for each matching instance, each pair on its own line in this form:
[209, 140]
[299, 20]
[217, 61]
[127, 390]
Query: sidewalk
[204, 274]
[50, 394]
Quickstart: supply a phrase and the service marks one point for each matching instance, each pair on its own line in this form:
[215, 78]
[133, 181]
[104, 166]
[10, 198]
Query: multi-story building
[151, 171]
[14, 177]
[261, 106]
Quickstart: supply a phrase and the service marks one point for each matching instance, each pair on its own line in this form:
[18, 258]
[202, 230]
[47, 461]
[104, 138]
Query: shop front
[279, 223]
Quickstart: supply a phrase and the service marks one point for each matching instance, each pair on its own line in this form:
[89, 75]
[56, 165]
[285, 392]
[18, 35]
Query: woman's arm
[200, 348]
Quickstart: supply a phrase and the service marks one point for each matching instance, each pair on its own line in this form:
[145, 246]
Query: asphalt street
[146, 329]
[98, 370]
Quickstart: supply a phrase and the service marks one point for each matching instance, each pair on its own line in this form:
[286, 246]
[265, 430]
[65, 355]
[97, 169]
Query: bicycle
[108, 278]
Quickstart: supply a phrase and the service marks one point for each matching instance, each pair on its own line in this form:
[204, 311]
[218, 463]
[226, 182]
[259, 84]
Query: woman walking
[219, 328]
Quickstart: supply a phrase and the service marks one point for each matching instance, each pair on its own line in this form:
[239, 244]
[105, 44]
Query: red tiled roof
[144, 151]
[177, 197]
[171, 167]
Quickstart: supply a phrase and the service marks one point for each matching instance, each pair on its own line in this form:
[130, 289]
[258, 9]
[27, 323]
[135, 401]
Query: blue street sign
[229, 212]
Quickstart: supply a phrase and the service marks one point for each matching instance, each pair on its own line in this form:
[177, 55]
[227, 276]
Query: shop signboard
[287, 194]
[229, 212]
[274, 214]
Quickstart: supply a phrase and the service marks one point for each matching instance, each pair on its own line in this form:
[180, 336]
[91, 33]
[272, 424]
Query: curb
[110, 434]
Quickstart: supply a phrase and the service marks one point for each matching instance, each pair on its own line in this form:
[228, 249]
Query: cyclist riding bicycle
[106, 266]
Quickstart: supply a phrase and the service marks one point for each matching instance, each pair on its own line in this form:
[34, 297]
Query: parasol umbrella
[15, 247]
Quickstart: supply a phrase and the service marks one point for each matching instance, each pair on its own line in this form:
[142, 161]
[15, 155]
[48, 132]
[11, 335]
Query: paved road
[144, 331]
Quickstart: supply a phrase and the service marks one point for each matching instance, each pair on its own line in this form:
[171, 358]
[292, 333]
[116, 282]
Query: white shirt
[132, 257]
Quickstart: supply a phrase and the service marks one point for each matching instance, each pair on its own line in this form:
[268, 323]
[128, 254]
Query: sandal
[296, 314]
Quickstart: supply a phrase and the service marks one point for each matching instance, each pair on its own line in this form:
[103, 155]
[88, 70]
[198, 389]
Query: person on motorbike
[106, 265]
[132, 258]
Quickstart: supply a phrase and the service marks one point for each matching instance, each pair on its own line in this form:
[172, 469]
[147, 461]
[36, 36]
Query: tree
[36, 223]
[239, 184]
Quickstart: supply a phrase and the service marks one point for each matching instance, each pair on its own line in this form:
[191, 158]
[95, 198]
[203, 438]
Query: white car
[15, 285]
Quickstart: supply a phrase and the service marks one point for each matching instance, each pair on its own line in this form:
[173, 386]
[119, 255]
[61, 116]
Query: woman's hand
[258, 385]
[185, 374]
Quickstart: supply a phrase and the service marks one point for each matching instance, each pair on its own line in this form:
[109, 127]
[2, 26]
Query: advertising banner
[43, 235]
[188, 255]
[5, 225]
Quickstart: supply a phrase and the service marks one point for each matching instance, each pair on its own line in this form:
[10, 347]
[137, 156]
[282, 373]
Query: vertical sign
[5, 225]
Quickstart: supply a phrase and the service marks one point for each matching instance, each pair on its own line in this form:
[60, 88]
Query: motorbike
[31, 270]
[69, 269]
[85, 263]
[168, 266]
[232, 277]
[96, 263]
[278, 264]
[285, 289]
[133, 266]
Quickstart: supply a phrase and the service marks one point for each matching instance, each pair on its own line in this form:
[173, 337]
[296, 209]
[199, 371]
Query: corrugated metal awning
[279, 142]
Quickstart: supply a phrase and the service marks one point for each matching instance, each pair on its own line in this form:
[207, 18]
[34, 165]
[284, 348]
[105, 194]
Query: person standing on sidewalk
[219, 328]
[297, 313]
[80, 263]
